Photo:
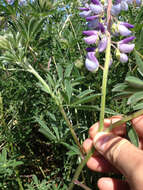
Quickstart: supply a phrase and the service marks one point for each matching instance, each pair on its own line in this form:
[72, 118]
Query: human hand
[113, 153]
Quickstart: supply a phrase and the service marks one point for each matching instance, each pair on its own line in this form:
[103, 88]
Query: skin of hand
[114, 153]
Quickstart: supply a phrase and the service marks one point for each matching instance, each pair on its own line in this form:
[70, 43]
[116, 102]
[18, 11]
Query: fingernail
[100, 141]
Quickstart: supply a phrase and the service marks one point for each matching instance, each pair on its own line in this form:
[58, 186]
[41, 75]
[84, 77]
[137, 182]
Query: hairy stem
[104, 82]
[106, 66]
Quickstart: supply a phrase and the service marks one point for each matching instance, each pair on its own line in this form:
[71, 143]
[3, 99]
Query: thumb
[121, 154]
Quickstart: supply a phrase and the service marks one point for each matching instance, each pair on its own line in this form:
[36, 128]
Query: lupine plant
[45, 87]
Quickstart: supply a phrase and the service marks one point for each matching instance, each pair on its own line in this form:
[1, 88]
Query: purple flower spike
[127, 40]
[126, 48]
[123, 58]
[97, 9]
[102, 44]
[91, 62]
[91, 39]
[90, 32]
[124, 30]
[126, 24]
[89, 18]
[96, 2]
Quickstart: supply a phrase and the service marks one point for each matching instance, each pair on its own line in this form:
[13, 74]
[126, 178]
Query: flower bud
[123, 58]
[127, 40]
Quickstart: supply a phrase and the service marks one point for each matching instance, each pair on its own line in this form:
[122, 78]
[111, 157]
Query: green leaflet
[139, 61]
[132, 135]
[135, 98]
[134, 82]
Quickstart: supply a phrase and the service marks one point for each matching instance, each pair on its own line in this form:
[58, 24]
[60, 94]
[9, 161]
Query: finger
[121, 130]
[138, 125]
[122, 154]
[112, 184]
[97, 162]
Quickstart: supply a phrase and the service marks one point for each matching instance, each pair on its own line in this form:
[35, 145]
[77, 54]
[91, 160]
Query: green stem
[79, 169]
[19, 180]
[34, 72]
[104, 82]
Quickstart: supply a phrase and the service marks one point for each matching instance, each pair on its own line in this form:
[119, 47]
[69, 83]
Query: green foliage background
[37, 149]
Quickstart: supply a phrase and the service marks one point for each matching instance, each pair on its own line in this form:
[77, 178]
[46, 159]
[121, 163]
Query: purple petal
[89, 18]
[116, 9]
[101, 27]
[123, 58]
[127, 40]
[90, 32]
[102, 44]
[123, 30]
[90, 49]
[91, 39]
[126, 48]
[96, 2]
[126, 24]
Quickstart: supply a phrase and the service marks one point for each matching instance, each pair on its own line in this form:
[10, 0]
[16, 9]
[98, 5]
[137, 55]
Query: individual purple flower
[116, 9]
[91, 62]
[10, 1]
[127, 40]
[96, 9]
[129, 1]
[126, 48]
[91, 39]
[123, 58]
[102, 44]
[123, 30]
[138, 2]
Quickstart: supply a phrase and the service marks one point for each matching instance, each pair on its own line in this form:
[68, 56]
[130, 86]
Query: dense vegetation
[45, 37]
